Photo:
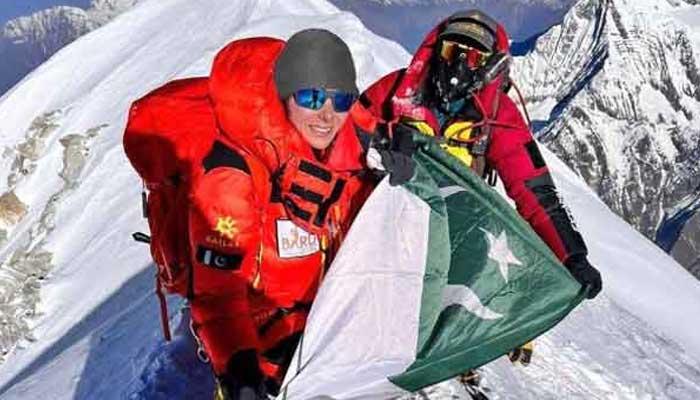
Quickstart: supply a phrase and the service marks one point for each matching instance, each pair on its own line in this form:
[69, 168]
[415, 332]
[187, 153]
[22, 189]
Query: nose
[326, 112]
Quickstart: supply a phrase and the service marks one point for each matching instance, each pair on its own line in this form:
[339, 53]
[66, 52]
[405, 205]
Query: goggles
[473, 58]
[315, 98]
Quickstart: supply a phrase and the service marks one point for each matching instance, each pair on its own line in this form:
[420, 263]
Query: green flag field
[435, 277]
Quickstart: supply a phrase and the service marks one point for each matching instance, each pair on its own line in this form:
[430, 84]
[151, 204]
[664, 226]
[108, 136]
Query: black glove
[243, 379]
[397, 153]
[585, 274]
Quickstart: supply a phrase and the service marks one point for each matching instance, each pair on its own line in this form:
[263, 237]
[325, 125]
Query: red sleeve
[373, 98]
[224, 235]
[515, 155]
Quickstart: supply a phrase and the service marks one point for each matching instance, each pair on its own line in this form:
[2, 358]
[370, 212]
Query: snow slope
[92, 330]
[72, 199]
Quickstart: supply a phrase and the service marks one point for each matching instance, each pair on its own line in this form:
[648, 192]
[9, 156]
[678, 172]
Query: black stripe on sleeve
[221, 155]
[535, 155]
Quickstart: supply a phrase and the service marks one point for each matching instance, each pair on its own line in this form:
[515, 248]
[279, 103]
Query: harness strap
[315, 171]
[306, 194]
[326, 205]
[296, 210]
[164, 320]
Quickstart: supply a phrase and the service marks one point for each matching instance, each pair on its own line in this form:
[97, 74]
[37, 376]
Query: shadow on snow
[127, 356]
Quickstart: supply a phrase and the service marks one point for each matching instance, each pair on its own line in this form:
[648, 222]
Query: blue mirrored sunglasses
[315, 98]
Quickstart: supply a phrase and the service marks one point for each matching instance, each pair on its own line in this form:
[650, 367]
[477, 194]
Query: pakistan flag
[437, 276]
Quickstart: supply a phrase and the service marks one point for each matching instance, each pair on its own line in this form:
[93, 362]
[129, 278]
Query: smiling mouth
[320, 130]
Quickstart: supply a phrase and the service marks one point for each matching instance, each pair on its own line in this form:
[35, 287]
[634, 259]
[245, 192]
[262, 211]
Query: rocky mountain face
[615, 92]
[687, 250]
[679, 232]
[26, 42]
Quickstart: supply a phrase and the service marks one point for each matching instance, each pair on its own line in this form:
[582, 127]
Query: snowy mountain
[79, 318]
[407, 21]
[615, 92]
[26, 42]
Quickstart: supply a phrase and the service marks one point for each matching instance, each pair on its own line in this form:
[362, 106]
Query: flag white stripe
[363, 326]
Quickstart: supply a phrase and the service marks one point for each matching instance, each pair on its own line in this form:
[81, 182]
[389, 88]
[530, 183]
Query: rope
[522, 102]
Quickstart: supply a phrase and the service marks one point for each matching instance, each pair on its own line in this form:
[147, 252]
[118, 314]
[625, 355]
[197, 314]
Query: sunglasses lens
[310, 98]
[474, 58]
[343, 101]
[447, 50]
[314, 99]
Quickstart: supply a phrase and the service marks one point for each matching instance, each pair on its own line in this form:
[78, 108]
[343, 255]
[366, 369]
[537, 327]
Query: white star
[500, 252]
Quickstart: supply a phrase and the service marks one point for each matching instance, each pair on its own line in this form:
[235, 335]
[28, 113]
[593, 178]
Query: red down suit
[512, 152]
[266, 215]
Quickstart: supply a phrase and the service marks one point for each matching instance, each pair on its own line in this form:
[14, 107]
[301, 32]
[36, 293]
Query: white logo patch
[293, 241]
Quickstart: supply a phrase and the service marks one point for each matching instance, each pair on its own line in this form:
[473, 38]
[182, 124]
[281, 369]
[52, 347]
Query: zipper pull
[324, 257]
[337, 232]
[257, 281]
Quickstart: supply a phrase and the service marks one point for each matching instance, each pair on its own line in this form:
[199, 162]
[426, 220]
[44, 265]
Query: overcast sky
[14, 8]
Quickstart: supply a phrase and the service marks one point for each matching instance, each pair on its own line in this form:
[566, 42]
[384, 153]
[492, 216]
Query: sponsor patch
[293, 241]
[226, 227]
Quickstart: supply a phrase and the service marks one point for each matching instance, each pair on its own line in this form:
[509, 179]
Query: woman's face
[317, 127]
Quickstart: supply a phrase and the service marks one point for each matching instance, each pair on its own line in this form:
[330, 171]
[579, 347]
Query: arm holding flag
[515, 155]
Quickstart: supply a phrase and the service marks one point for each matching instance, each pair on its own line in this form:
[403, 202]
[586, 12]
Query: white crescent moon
[465, 297]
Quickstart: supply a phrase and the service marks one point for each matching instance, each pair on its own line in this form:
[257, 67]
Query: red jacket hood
[417, 71]
[250, 114]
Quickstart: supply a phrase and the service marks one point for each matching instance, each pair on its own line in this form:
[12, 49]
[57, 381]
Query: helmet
[465, 48]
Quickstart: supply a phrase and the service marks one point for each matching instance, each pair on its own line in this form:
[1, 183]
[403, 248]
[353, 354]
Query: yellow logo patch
[226, 227]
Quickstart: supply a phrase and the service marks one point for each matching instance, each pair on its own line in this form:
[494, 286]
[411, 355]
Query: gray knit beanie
[314, 58]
